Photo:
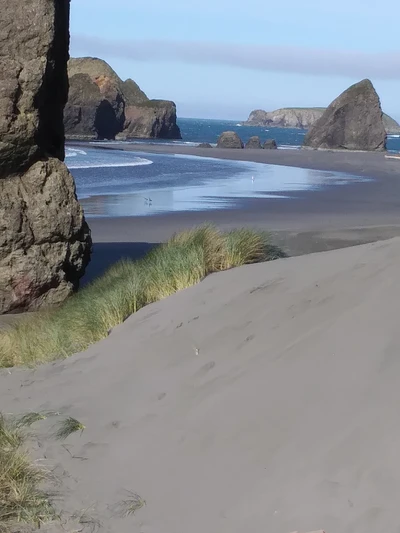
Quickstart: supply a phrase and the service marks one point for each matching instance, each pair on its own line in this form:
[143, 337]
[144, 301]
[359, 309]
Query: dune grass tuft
[21, 499]
[131, 504]
[126, 287]
[67, 427]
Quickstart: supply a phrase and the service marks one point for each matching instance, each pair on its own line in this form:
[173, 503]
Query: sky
[223, 58]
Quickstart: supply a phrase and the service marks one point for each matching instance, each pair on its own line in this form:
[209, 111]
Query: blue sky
[223, 58]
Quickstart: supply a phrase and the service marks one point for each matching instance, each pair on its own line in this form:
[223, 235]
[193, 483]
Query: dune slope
[264, 399]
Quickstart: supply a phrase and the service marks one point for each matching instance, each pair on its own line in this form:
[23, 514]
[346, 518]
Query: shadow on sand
[106, 254]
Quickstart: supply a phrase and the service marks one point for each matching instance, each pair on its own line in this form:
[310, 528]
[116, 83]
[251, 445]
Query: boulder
[270, 144]
[102, 106]
[352, 122]
[229, 139]
[253, 142]
[204, 145]
[45, 242]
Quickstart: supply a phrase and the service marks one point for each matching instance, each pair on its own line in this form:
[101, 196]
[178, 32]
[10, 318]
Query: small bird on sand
[148, 200]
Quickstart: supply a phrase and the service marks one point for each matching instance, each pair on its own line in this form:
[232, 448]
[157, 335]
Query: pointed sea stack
[352, 122]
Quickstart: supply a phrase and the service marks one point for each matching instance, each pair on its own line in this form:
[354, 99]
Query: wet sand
[330, 218]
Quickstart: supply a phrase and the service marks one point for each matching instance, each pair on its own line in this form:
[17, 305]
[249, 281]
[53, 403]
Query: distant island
[301, 118]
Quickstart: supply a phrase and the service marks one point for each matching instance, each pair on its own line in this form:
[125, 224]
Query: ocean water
[195, 131]
[112, 183]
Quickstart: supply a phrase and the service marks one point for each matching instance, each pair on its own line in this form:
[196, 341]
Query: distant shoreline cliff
[301, 118]
[102, 106]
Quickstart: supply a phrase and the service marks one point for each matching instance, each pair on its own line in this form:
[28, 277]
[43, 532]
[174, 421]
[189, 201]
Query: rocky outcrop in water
[301, 118]
[229, 139]
[102, 106]
[253, 143]
[44, 240]
[270, 144]
[204, 145]
[352, 122]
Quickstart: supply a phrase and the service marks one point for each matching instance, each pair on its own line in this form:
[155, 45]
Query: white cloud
[296, 60]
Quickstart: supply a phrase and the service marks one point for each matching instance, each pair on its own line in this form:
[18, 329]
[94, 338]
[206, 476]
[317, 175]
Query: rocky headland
[102, 106]
[301, 118]
[45, 242]
[353, 121]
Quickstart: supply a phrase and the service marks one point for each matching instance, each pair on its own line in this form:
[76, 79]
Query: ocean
[115, 183]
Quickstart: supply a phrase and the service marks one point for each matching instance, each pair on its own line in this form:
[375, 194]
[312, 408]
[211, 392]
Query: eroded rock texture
[229, 139]
[44, 240]
[102, 106]
[353, 121]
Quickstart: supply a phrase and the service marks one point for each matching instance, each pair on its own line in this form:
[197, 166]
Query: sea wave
[137, 162]
[73, 152]
[289, 147]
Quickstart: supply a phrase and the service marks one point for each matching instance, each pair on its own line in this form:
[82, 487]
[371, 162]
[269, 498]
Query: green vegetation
[126, 287]
[67, 427]
[21, 499]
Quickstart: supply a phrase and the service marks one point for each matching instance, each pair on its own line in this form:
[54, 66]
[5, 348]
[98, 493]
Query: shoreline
[368, 164]
[310, 221]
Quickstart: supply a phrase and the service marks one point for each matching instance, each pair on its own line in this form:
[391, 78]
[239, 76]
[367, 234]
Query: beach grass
[67, 427]
[89, 315]
[21, 498]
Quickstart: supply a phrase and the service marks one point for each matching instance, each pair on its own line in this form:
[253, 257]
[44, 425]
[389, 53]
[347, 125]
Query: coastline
[311, 221]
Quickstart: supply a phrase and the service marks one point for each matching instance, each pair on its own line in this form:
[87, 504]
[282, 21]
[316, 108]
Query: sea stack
[352, 122]
[45, 242]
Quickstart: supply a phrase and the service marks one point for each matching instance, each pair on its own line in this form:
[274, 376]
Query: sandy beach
[315, 221]
[264, 398]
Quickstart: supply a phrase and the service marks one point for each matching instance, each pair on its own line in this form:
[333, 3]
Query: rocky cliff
[353, 121]
[102, 106]
[44, 240]
[301, 118]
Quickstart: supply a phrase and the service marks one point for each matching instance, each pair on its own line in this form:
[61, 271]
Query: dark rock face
[204, 145]
[33, 78]
[44, 240]
[151, 119]
[270, 144]
[96, 107]
[352, 122]
[102, 106]
[253, 143]
[229, 139]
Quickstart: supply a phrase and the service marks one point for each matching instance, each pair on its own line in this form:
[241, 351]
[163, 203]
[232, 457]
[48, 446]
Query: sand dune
[266, 398]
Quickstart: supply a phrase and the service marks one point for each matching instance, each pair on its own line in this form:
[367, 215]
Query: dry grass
[21, 499]
[126, 287]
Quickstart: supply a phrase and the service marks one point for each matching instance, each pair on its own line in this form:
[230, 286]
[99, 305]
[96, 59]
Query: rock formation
[352, 122]
[102, 106]
[204, 145]
[301, 118]
[44, 240]
[253, 143]
[229, 139]
[270, 144]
